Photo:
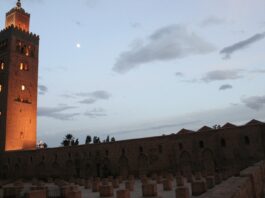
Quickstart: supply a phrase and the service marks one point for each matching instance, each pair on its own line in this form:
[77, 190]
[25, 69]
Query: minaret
[18, 82]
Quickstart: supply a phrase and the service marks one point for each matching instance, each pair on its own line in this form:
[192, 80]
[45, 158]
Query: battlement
[21, 33]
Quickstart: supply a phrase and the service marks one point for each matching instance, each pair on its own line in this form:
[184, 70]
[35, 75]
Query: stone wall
[227, 150]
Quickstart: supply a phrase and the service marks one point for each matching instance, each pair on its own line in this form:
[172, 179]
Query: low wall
[249, 184]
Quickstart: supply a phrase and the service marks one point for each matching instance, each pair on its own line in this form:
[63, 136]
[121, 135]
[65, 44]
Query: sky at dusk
[140, 68]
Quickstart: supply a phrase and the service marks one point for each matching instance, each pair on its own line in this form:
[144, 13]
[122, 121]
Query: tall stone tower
[18, 82]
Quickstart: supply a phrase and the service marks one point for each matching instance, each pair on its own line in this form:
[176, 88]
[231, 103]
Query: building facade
[18, 82]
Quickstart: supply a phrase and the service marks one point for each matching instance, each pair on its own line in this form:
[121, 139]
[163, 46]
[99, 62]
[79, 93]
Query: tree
[76, 142]
[113, 139]
[69, 140]
[45, 145]
[216, 126]
[96, 140]
[107, 139]
[41, 145]
[88, 139]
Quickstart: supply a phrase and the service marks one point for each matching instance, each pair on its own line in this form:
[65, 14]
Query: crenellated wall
[228, 150]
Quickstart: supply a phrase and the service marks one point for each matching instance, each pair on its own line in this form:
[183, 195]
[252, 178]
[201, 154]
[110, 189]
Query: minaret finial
[18, 4]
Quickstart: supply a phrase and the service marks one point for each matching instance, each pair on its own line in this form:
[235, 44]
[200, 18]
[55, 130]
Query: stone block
[50, 180]
[218, 178]
[144, 180]
[159, 179]
[12, 191]
[167, 185]
[106, 191]
[87, 184]
[123, 194]
[129, 185]
[198, 175]
[18, 183]
[95, 186]
[180, 181]
[170, 177]
[116, 183]
[74, 194]
[198, 187]
[97, 179]
[120, 179]
[36, 194]
[110, 178]
[149, 190]
[182, 192]
[190, 178]
[65, 190]
[105, 182]
[131, 177]
[154, 176]
[210, 180]
[82, 182]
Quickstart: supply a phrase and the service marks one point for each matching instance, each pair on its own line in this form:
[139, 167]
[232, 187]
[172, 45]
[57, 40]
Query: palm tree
[88, 139]
[68, 140]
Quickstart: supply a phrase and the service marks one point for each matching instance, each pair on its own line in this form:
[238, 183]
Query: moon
[78, 45]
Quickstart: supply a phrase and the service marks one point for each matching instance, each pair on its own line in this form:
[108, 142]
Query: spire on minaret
[18, 4]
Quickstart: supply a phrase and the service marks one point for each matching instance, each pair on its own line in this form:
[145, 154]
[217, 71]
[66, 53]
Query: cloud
[168, 43]
[88, 97]
[88, 101]
[136, 25]
[254, 102]
[227, 51]
[100, 94]
[157, 127]
[78, 23]
[92, 97]
[42, 89]
[67, 96]
[218, 75]
[212, 21]
[258, 71]
[57, 112]
[225, 87]
[91, 3]
[179, 74]
[94, 113]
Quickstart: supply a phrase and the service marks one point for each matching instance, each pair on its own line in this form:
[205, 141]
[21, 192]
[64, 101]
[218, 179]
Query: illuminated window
[2, 65]
[1, 88]
[27, 51]
[23, 66]
[23, 87]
